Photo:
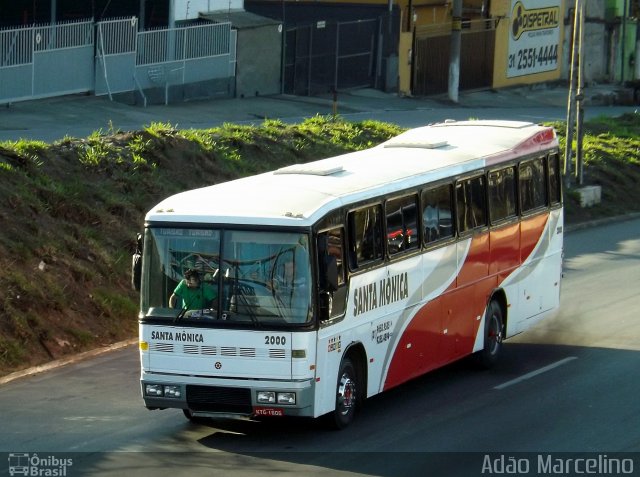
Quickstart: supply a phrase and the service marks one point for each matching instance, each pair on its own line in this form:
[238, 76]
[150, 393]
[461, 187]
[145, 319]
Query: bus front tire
[493, 336]
[346, 396]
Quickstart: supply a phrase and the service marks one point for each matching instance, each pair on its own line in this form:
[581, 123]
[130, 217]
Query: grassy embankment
[70, 211]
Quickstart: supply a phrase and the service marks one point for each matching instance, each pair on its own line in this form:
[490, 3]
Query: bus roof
[300, 194]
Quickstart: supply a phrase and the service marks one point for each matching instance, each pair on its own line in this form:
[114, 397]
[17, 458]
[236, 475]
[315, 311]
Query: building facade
[307, 47]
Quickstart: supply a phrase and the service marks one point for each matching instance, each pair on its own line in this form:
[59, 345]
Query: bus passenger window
[402, 224]
[502, 194]
[470, 200]
[533, 185]
[437, 213]
[554, 179]
[365, 234]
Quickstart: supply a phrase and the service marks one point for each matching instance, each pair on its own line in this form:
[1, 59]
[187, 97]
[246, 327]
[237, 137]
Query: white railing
[179, 44]
[63, 35]
[16, 47]
[117, 35]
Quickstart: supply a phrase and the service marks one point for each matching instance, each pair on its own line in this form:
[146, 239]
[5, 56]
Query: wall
[189, 9]
[258, 68]
[595, 49]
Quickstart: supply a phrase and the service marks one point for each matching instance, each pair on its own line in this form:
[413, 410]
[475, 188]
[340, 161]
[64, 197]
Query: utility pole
[623, 53]
[454, 59]
[579, 100]
[283, 47]
[568, 151]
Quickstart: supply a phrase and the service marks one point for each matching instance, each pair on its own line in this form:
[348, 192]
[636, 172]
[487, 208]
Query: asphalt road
[569, 385]
[52, 131]
[52, 119]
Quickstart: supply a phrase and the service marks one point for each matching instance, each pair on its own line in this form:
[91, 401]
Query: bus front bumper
[216, 397]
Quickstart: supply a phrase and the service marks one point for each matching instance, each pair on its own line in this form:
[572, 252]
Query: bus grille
[219, 399]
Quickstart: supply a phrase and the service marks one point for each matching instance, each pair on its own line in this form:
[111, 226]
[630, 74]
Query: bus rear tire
[347, 389]
[493, 336]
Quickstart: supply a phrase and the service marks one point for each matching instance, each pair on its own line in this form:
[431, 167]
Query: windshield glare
[236, 276]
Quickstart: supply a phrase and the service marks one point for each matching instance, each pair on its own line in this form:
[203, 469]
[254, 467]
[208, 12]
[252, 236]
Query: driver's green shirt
[195, 298]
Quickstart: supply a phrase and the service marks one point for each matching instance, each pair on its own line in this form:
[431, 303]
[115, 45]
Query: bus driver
[194, 294]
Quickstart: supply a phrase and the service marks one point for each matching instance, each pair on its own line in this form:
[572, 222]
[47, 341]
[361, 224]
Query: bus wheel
[346, 395]
[493, 335]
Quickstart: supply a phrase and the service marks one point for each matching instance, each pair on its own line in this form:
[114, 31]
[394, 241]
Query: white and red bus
[322, 284]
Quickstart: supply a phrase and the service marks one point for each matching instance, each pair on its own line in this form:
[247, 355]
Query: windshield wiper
[280, 306]
[249, 307]
[180, 315]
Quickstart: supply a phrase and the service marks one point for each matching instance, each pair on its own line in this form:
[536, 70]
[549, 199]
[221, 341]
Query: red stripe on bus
[445, 329]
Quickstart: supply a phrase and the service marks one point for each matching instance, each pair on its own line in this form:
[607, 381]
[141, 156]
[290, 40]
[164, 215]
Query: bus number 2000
[275, 340]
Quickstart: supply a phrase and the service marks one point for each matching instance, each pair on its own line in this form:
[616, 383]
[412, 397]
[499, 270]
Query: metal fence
[49, 60]
[46, 60]
[16, 47]
[188, 43]
[326, 56]
[432, 51]
[117, 36]
[62, 36]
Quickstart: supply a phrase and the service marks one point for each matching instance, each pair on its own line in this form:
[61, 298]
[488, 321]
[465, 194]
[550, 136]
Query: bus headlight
[153, 390]
[286, 398]
[266, 397]
[172, 391]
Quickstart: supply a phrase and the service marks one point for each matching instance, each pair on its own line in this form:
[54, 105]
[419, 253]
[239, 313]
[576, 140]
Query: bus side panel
[419, 348]
[475, 261]
[540, 276]
[331, 342]
[407, 355]
[504, 248]
[531, 230]
[461, 308]
[462, 305]
[537, 279]
[379, 302]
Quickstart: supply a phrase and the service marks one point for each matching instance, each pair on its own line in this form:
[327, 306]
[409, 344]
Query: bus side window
[502, 194]
[533, 185]
[437, 213]
[555, 188]
[331, 243]
[402, 224]
[365, 236]
[471, 203]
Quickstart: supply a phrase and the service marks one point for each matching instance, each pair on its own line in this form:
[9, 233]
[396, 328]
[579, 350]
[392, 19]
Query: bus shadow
[401, 430]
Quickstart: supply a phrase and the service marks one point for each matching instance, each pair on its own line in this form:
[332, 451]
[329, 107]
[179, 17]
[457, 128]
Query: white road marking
[535, 373]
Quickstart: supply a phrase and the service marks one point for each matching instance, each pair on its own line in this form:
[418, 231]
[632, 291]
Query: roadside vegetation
[70, 212]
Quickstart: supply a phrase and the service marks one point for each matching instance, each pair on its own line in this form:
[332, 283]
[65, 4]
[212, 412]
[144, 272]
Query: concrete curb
[58, 363]
[599, 222]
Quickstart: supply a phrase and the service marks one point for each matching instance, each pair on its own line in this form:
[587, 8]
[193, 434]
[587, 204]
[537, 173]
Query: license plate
[267, 411]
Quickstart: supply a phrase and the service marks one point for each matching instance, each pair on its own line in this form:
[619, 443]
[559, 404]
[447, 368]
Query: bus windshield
[209, 276]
